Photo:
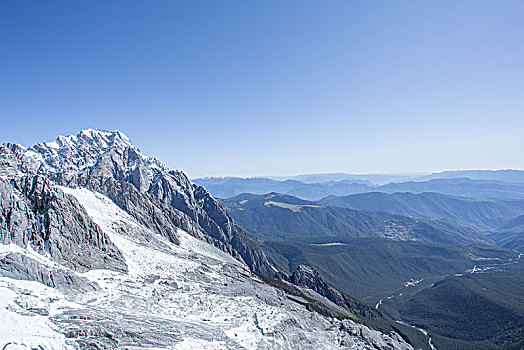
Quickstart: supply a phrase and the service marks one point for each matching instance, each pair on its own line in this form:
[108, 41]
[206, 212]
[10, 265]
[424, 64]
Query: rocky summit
[105, 248]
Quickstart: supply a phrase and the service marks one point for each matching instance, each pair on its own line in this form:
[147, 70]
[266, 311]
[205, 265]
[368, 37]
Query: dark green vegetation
[481, 214]
[344, 245]
[473, 311]
[276, 216]
[369, 268]
[422, 274]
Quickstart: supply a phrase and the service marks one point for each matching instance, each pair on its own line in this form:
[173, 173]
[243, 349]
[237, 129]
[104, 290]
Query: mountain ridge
[105, 161]
[480, 214]
[136, 206]
[228, 187]
[277, 216]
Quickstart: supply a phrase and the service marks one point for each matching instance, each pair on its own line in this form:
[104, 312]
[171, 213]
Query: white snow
[197, 268]
[23, 328]
[52, 144]
[208, 298]
[76, 153]
[328, 244]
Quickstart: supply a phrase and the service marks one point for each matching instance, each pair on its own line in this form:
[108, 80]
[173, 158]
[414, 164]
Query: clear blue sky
[273, 87]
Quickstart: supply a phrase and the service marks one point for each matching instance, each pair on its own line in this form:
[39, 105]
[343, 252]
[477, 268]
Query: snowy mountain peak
[91, 137]
[76, 153]
[119, 233]
[72, 153]
[109, 163]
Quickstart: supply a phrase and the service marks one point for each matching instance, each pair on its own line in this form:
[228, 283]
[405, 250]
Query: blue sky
[273, 87]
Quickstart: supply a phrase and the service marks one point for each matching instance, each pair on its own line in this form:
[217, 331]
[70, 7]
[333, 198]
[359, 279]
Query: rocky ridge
[107, 162]
[50, 236]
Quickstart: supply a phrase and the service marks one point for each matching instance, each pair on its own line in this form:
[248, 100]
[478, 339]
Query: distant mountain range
[462, 187]
[371, 179]
[481, 214]
[365, 251]
[506, 175]
[277, 216]
[226, 187]
[91, 228]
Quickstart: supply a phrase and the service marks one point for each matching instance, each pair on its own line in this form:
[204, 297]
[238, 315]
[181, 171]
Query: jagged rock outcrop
[349, 330]
[17, 221]
[178, 290]
[159, 198]
[308, 277]
[21, 267]
[37, 213]
[109, 163]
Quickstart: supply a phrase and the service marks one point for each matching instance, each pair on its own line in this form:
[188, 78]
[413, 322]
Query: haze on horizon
[285, 176]
[248, 88]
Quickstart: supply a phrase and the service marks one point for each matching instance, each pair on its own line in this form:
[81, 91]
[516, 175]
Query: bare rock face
[21, 267]
[308, 277]
[37, 213]
[158, 197]
[146, 209]
[179, 289]
[17, 220]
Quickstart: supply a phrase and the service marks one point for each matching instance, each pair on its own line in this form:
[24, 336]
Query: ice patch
[25, 307]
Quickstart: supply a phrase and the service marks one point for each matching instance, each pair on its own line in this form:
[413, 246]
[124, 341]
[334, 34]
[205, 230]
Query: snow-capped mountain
[109, 163]
[103, 247]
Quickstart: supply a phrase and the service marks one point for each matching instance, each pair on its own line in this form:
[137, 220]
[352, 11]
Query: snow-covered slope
[103, 248]
[107, 162]
[75, 153]
[189, 295]
[24, 316]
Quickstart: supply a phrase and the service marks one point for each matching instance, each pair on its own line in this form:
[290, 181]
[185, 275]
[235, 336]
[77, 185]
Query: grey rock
[157, 197]
[308, 277]
[94, 158]
[17, 221]
[349, 330]
[20, 267]
[36, 212]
